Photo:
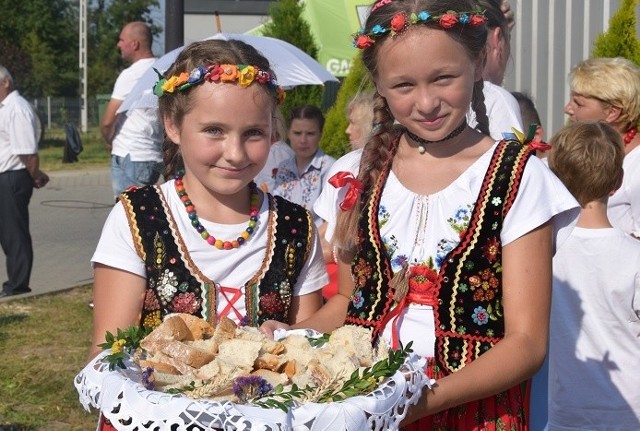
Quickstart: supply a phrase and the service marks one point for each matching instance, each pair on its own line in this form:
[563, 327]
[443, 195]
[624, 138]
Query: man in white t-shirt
[133, 137]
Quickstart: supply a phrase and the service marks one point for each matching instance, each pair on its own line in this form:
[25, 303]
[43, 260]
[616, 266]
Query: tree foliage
[334, 139]
[107, 19]
[39, 40]
[39, 43]
[620, 40]
[287, 24]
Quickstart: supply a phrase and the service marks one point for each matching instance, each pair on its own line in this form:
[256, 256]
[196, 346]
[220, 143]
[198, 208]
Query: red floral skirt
[508, 410]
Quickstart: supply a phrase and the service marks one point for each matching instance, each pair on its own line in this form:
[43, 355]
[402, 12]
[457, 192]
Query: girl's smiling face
[430, 98]
[225, 137]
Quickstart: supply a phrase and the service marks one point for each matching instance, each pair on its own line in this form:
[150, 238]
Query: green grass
[94, 153]
[44, 343]
[44, 340]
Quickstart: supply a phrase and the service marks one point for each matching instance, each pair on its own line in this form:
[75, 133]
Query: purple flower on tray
[148, 379]
[250, 387]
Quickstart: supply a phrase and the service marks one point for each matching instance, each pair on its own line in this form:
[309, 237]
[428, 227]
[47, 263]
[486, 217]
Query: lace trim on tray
[130, 406]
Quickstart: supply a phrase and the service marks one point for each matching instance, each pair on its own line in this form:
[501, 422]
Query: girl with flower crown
[444, 236]
[209, 242]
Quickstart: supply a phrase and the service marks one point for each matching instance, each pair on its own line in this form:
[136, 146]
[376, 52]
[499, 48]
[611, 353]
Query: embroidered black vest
[468, 317]
[175, 284]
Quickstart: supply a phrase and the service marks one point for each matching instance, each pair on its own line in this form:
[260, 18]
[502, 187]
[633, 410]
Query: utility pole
[173, 24]
[82, 56]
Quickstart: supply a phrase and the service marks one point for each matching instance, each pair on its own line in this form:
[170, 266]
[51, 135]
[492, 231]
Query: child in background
[501, 107]
[301, 177]
[279, 152]
[530, 117]
[436, 222]
[594, 351]
[209, 242]
[360, 118]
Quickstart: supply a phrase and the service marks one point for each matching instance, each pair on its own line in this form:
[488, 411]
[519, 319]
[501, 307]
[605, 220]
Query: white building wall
[549, 38]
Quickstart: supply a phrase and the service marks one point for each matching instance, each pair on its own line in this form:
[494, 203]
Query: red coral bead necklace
[195, 222]
[628, 137]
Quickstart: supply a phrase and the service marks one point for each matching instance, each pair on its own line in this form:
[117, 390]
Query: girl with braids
[209, 242]
[444, 236]
[502, 108]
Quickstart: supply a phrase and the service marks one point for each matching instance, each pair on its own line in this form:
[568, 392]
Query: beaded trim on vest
[470, 267]
[175, 284]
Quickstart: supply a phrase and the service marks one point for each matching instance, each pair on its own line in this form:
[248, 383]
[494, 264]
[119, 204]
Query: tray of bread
[186, 374]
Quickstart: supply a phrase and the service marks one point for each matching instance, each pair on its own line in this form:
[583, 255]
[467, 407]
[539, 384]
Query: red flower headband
[400, 22]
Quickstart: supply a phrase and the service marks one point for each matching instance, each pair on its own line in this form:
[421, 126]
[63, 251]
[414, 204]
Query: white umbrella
[291, 65]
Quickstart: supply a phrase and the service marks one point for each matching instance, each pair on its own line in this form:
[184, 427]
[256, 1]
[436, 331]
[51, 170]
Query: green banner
[332, 24]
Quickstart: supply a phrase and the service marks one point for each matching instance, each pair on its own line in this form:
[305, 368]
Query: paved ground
[66, 221]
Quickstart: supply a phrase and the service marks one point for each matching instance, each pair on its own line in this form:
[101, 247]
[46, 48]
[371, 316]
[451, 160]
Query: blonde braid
[374, 155]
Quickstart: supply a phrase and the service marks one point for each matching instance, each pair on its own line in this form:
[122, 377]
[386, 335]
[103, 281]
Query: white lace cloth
[129, 406]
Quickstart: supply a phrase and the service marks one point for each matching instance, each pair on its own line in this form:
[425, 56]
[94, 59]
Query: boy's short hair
[587, 157]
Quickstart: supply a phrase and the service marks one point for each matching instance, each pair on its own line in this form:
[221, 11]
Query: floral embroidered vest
[468, 317]
[175, 284]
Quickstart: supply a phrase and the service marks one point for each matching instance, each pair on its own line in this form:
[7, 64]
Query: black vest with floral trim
[175, 284]
[468, 318]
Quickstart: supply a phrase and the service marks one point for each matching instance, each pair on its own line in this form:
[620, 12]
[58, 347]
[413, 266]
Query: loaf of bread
[173, 328]
[187, 352]
[199, 329]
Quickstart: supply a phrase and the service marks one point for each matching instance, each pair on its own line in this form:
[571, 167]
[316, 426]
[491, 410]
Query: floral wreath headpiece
[244, 74]
[400, 22]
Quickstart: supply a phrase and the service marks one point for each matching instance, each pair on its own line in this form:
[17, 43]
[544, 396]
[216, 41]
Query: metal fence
[549, 38]
[55, 112]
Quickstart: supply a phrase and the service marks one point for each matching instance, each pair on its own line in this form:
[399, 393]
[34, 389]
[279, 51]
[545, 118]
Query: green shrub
[287, 24]
[620, 40]
[334, 139]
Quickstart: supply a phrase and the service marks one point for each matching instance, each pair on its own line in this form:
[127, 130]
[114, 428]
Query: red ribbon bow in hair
[342, 179]
[540, 145]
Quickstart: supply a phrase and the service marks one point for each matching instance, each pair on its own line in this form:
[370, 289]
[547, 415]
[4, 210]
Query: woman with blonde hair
[618, 103]
[360, 117]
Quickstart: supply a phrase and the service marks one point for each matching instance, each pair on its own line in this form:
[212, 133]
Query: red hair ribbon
[342, 179]
[540, 145]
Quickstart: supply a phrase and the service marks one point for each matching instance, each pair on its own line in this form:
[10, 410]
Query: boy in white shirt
[594, 352]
